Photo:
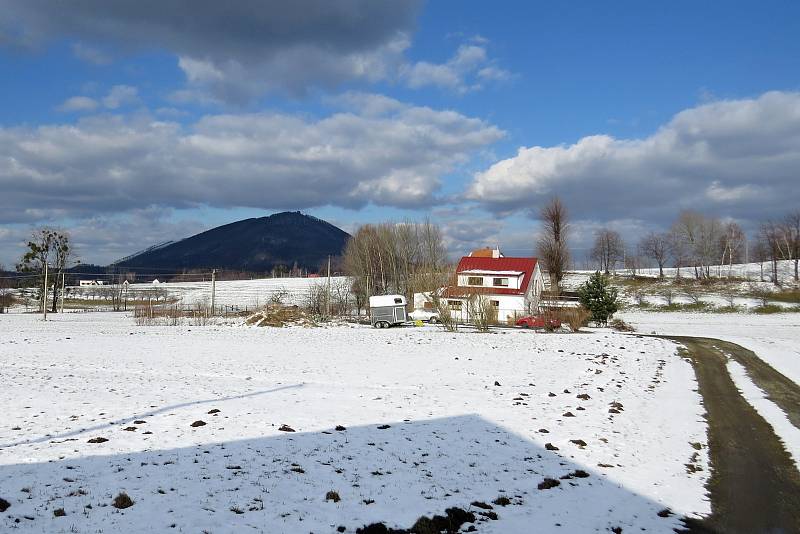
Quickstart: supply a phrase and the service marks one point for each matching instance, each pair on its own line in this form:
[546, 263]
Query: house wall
[508, 306]
[488, 280]
[535, 288]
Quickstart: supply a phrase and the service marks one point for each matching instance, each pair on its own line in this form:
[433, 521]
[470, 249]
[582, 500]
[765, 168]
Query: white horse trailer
[387, 310]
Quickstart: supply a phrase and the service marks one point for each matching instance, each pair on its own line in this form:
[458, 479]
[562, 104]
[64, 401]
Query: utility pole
[63, 275]
[213, 289]
[44, 299]
[328, 311]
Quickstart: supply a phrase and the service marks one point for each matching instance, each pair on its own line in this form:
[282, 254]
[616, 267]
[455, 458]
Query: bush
[769, 308]
[597, 296]
[481, 312]
[575, 317]
[446, 318]
[622, 326]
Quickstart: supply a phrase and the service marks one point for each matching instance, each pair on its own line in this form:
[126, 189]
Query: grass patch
[787, 295]
[774, 308]
[685, 307]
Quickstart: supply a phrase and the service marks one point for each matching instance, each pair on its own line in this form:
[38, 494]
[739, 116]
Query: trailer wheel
[433, 320]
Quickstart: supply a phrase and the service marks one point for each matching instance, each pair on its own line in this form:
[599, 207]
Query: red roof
[489, 265]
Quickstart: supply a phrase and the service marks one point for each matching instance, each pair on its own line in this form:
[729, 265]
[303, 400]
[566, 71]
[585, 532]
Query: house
[512, 285]
[86, 283]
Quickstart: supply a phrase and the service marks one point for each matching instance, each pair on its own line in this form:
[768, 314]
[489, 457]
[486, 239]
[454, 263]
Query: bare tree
[771, 236]
[608, 249]
[50, 247]
[791, 231]
[701, 235]
[656, 246]
[5, 290]
[403, 258]
[733, 240]
[552, 246]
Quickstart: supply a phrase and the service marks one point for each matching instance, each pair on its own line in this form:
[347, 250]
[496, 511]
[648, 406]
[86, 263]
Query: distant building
[85, 283]
[513, 285]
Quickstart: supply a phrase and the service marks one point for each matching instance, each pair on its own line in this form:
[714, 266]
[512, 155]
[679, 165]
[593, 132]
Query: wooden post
[213, 289]
[44, 299]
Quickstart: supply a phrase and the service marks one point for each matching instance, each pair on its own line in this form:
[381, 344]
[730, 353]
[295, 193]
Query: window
[495, 303]
[454, 304]
[475, 281]
[427, 305]
[501, 282]
[398, 300]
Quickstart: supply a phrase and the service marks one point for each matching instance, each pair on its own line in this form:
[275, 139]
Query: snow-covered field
[241, 293]
[775, 338]
[432, 420]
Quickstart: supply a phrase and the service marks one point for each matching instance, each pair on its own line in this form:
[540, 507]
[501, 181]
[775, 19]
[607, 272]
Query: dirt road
[754, 486]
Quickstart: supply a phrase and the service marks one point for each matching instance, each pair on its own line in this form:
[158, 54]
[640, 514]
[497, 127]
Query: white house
[85, 283]
[513, 285]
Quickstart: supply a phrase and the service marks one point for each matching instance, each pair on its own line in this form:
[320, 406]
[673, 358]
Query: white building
[513, 285]
[86, 283]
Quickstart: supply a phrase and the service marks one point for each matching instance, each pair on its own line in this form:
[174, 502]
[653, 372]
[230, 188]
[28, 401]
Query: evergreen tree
[597, 296]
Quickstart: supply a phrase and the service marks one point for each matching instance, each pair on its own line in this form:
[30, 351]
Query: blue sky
[130, 124]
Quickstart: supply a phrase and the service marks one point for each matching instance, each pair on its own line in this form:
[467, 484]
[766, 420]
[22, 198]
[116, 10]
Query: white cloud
[394, 156]
[78, 104]
[463, 72]
[118, 96]
[121, 95]
[736, 156]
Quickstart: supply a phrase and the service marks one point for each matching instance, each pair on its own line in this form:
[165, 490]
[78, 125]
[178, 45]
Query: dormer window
[475, 281]
[500, 282]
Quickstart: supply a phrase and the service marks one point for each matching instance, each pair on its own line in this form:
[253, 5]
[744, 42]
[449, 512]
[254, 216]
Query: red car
[537, 321]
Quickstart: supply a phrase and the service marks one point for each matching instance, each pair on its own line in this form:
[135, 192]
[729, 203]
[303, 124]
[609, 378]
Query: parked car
[537, 321]
[428, 316]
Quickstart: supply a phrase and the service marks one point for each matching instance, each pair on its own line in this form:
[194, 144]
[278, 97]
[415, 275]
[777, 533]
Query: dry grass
[277, 315]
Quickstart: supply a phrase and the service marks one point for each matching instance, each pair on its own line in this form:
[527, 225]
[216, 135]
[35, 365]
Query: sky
[131, 123]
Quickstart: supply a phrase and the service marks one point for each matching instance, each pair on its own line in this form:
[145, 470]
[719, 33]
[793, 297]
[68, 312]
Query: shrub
[481, 312]
[575, 317]
[668, 294]
[597, 296]
[332, 496]
[446, 318]
[768, 309]
[622, 326]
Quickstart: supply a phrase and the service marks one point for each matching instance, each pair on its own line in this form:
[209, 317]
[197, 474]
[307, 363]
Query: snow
[777, 419]
[242, 293]
[454, 437]
[775, 338]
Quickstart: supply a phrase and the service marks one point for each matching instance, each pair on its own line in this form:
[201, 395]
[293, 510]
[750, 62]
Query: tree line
[696, 242]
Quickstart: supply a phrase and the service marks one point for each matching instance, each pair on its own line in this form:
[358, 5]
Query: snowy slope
[454, 436]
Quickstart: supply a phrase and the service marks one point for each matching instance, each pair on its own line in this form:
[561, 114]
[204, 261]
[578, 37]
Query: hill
[255, 245]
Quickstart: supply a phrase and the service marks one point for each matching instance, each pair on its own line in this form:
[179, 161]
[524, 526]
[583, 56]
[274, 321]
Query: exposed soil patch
[122, 501]
[749, 462]
[4, 505]
[198, 423]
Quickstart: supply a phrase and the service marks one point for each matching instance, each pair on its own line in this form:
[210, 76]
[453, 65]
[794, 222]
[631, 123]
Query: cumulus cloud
[465, 71]
[108, 164]
[78, 103]
[735, 157]
[117, 97]
[236, 50]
